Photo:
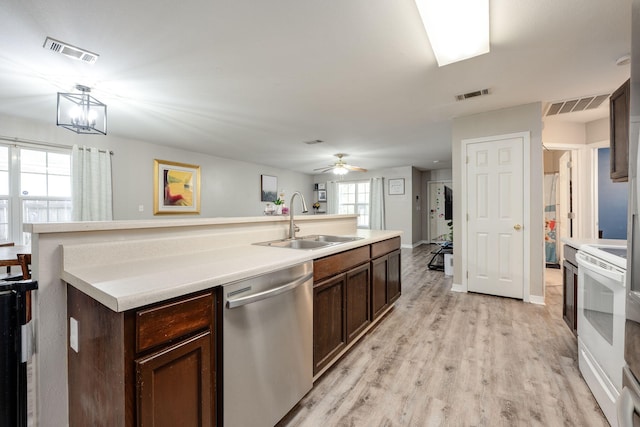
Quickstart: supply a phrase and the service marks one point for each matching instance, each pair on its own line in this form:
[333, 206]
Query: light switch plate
[73, 334]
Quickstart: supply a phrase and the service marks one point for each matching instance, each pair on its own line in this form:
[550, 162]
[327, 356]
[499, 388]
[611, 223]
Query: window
[353, 198]
[35, 186]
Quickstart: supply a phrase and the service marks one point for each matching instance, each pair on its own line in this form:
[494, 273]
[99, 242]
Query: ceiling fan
[340, 167]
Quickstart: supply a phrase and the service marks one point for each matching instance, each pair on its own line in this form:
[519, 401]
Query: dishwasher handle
[269, 293]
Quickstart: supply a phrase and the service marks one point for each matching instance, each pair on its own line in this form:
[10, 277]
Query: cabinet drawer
[570, 254]
[334, 264]
[384, 247]
[163, 323]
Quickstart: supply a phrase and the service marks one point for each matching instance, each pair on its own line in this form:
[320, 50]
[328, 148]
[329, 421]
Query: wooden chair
[25, 263]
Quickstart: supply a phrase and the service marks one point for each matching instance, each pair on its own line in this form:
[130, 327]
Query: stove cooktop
[620, 252]
[616, 255]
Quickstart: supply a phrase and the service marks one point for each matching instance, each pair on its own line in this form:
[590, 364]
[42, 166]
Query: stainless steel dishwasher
[267, 345]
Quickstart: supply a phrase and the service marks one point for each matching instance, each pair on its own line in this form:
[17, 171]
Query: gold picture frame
[176, 188]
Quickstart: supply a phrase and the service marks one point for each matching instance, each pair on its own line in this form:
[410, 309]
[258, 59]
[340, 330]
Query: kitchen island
[127, 265]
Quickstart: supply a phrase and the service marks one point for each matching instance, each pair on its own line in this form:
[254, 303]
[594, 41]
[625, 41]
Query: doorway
[558, 205]
[440, 215]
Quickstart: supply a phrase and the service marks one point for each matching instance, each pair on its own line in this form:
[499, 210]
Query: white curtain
[376, 206]
[91, 184]
[332, 197]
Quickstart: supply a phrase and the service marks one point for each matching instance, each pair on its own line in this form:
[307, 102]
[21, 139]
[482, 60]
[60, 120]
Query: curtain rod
[43, 143]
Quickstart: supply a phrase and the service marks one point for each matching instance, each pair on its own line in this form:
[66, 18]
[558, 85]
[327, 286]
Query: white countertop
[126, 285]
[576, 243]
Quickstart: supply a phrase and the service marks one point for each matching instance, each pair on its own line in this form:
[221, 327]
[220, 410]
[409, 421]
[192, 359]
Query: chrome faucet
[292, 227]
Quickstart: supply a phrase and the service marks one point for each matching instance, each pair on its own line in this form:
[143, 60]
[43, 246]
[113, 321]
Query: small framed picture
[268, 188]
[322, 186]
[396, 186]
[176, 188]
[322, 195]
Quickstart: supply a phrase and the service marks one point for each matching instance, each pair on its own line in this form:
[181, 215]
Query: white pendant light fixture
[82, 113]
[457, 29]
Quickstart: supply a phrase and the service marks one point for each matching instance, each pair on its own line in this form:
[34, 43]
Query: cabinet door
[358, 302]
[619, 128]
[570, 289]
[329, 320]
[174, 385]
[393, 276]
[379, 285]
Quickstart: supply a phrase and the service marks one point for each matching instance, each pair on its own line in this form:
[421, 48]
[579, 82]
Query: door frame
[527, 226]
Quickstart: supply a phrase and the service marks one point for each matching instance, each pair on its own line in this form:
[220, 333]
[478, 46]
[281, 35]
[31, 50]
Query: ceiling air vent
[70, 50]
[574, 105]
[473, 94]
[315, 141]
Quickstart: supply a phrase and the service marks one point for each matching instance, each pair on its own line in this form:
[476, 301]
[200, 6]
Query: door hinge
[569, 165]
[571, 215]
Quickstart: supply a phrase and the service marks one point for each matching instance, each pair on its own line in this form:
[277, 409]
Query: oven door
[601, 314]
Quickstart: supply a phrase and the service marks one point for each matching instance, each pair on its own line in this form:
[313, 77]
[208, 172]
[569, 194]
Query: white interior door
[495, 205]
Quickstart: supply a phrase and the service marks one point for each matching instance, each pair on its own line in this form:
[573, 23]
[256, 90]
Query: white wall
[229, 187]
[525, 118]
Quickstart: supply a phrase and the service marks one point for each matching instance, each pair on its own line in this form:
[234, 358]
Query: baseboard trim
[415, 245]
[536, 299]
[458, 288]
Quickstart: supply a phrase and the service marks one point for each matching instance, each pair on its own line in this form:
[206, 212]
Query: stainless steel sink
[330, 238]
[296, 244]
[314, 241]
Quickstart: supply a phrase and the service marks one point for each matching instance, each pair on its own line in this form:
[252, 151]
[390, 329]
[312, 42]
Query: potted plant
[278, 202]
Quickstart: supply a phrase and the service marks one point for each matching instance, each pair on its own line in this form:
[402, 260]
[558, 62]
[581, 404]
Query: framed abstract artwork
[176, 188]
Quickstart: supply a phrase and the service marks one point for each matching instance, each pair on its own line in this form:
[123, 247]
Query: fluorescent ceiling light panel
[457, 29]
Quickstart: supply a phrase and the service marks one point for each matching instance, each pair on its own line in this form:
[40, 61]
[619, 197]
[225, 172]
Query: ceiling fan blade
[355, 168]
[323, 170]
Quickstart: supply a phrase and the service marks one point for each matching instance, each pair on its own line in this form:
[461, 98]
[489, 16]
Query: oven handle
[613, 275]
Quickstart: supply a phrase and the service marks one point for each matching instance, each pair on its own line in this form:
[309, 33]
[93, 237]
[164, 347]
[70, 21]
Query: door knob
[517, 227]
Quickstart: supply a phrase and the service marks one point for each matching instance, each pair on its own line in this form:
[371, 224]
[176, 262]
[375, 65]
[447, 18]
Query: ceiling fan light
[457, 29]
[340, 170]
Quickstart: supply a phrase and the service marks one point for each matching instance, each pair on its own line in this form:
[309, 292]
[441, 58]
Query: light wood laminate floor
[442, 358]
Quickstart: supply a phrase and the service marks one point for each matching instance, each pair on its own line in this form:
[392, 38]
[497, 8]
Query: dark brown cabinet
[357, 307]
[393, 276]
[341, 309]
[329, 331]
[385, 275]
[379, 298]
[350, 291]
[619, 128]
[174, 384]
[153, 366]
[570, 288]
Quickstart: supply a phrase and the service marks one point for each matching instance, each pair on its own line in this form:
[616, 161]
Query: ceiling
[254, 80]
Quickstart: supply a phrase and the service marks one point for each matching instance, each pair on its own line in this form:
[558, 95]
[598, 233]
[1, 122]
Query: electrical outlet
[73, 334]
[140, 208]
